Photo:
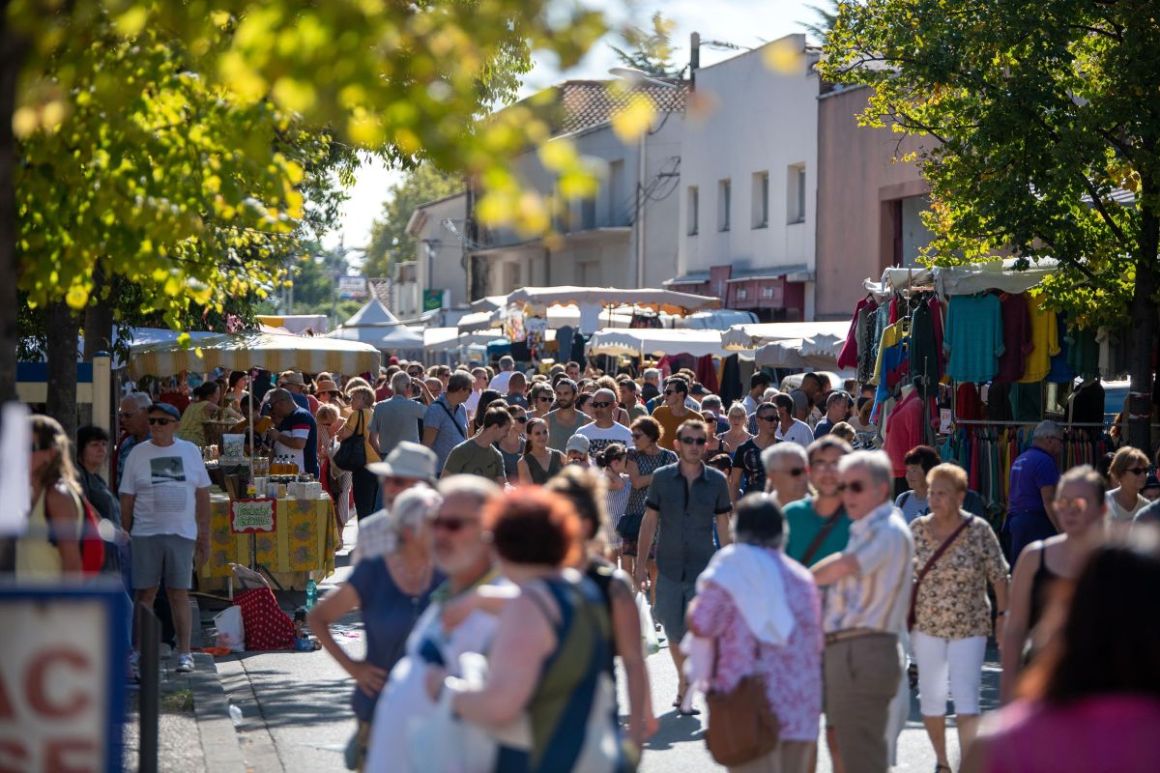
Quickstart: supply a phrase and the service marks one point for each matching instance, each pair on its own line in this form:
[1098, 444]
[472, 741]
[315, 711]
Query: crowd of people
[513, 526]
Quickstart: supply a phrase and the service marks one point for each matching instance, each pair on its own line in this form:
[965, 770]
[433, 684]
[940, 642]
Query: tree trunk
[98, 319]
[12, 53]
[62, 340]
[1144, 332]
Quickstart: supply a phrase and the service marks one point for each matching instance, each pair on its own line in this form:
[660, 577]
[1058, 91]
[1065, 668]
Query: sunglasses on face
[671, 392]
[796, 472]
[854, 487]
[601, 404]
[450, 524]
[521, 419]
[694, 441]
[1138, 470]
[637, 435]
[162, 422]
[768, 417]
[543, 399]
[1078, 503]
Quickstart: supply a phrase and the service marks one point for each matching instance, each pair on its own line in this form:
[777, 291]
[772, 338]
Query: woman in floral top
[734, 592]
[952, 612]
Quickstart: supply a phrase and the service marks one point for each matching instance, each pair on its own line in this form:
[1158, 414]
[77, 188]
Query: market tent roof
[656, 342]
[294, 323]
[557, 315]
[449, 339]
[369, 324]
[755, 336]
[966, 279]
[818, 352]
[239, 351]
[400, 337]
[669, 301]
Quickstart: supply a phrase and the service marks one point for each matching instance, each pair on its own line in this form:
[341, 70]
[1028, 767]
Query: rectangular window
[760, 199]
[796, 194]
[724, 192]
[693, 210]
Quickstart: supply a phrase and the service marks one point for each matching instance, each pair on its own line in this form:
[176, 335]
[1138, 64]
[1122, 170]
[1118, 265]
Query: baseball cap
[166, 408]
[577, 443]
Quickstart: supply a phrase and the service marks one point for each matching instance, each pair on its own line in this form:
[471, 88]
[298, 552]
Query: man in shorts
[165, 508]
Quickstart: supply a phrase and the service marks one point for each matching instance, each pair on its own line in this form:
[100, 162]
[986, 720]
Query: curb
[219, 740]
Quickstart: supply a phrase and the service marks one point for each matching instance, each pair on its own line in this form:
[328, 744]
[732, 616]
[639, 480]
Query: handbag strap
[454, 420]
[820, 537]
[930, 562]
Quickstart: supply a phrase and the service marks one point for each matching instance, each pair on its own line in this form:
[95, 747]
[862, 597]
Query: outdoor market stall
[295, 532]
[739, 337]
[301, 537]
[817, 352]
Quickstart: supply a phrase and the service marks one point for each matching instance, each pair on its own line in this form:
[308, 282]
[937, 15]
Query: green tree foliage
[169, 142]
[390, 241]
[1044, 135]
[650, 50]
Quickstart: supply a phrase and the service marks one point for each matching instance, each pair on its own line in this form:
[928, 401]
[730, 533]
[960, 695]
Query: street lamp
[635, 77]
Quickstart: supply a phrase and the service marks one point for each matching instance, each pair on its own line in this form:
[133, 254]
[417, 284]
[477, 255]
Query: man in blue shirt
[296, 435]
[445, 423]
[1034, 473]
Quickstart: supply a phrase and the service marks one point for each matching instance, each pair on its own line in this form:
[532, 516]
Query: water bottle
[311, 591]
[235, 715]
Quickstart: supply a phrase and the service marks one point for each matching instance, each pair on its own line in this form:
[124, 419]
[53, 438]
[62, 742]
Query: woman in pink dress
[1091, 702]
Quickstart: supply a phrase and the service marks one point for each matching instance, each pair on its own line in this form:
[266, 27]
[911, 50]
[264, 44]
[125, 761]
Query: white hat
[578, 443]
[407, 460]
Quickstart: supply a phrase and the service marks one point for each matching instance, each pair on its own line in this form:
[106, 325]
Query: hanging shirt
[1083, 353]
[855, 338]
[974, 337]
[924, 346]
[1016, 337]
[904, 431]
[1044, 340]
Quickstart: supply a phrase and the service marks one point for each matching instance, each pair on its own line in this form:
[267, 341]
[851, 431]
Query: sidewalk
[195, 733]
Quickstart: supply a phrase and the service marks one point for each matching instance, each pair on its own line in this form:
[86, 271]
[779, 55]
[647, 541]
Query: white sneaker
[184, 663]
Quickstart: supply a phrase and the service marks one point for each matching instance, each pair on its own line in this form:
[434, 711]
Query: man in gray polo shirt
[685, 499]
[397, 418]
[865, 612]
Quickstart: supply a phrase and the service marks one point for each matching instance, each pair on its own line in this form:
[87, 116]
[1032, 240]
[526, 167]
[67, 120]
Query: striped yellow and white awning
[242, 351]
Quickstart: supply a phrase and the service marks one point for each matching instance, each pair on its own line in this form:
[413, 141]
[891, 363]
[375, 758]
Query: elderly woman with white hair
[391, 591]
[786, 465]
[762, 612]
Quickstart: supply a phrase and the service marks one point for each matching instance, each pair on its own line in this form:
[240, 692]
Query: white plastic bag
[648, 630]
[231, 631]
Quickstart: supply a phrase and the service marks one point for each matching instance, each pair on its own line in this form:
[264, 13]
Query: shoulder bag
[742, 726]
[816, 544]
[352, 452]
[454, 419]
[930, 562]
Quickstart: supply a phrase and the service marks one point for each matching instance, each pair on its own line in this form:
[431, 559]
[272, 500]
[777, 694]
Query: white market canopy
[669, 301]
[370, 324]
[298, 324]
[449, 339]
[557, 315]
[756, 336]
[818, 352]
[655, 342]
[967, 279]
[401, 337]
[241, 351]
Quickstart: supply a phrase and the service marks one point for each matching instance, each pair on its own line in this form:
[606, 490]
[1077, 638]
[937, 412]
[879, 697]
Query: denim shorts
[161, 556]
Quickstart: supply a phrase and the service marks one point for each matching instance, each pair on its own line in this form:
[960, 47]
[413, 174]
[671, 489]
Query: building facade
[621, 237]
[436, 277]
[869, 202]
[748, 183]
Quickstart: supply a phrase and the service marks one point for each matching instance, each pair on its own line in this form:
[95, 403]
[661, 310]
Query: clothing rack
[1001, 423]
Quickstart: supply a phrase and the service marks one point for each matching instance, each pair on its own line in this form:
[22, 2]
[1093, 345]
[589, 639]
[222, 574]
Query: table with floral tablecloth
[305, 540]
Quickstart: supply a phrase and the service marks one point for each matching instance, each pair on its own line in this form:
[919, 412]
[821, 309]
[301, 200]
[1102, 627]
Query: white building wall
[753, 120]
[597, 240]
[443, 267]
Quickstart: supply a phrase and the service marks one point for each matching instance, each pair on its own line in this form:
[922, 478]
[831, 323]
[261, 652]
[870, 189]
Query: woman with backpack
[52, 544]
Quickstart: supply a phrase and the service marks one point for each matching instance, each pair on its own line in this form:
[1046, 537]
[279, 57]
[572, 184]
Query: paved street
[296, 715]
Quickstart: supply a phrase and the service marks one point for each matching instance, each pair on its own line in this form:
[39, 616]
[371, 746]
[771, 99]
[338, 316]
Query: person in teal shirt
[818, 525]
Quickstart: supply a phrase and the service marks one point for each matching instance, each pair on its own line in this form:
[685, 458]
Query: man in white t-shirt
[165, 508]
[507, 366]
[789, 428]
[603, 431]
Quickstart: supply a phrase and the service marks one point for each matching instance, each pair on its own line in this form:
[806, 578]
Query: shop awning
[669, 301]
[818, 352]
[241, 351]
